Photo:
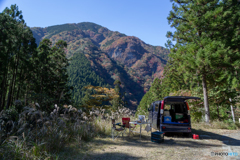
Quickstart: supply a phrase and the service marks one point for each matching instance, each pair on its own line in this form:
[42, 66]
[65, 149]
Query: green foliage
[118, 101]
[156, 92]
[231, 125]
[108, 43]
[206, 51]
[10, 113]
[50, 85]
[16, 50]
[53, 30]
[26, 72]
[144, 104]
[80, 75]
[196, 116]
[89, 26]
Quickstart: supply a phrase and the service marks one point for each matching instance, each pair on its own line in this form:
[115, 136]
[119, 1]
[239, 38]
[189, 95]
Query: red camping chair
[126, 123]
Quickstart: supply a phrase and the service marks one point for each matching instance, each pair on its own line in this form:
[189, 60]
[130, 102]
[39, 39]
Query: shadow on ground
[213, 136]
[175, 140]
[145, 142]
[106, 148]
[85, 152]
[99, 156]
[112, 155]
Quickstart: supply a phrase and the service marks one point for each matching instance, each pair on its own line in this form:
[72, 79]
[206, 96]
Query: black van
[171, 114]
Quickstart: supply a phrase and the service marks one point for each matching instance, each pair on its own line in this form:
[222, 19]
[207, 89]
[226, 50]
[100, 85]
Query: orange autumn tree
[96, 96]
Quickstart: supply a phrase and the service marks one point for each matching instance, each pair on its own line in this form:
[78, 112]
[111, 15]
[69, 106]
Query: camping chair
[117, 130]
[127, 124]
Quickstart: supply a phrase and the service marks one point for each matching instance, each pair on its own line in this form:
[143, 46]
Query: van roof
[178, 98]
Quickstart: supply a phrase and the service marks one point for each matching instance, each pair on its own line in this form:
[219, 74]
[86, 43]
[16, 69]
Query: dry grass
[216, 125]
[37, 135]
[73, 134]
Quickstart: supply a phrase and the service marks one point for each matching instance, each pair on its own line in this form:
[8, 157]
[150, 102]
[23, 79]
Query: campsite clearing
[173, 147]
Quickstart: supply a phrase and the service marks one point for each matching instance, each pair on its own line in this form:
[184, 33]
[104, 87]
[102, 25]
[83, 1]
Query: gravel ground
[174, 147]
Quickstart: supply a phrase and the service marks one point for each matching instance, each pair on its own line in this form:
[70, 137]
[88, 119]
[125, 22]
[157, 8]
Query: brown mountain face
[134, 53]
[122, 57]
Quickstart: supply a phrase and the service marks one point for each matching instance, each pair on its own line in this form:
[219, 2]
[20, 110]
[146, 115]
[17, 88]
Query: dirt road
[173, 147]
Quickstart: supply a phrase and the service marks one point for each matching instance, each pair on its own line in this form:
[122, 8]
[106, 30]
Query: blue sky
[144, 19]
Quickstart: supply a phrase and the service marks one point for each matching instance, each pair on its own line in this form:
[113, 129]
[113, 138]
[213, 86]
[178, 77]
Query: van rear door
[178, 108]
[176, 116]
[178, 98]
[156, 114]
[150, 110]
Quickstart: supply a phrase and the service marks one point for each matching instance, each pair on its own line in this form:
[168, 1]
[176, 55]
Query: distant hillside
[111, 55]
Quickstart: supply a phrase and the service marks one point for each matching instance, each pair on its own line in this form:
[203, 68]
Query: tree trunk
[205, 95]
[25, 100]
[12, 83]
[1, 96]
[218, 112]
[10, 93]
[4, 93]
[4, 89]
[60, 97]
[26, 95]
[15, 76]
[22, 80]
[18, 89]
[233, 116]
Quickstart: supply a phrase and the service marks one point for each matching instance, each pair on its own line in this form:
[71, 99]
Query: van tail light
[188, 128]
[163, 127]
[162, 106]
[188, 108]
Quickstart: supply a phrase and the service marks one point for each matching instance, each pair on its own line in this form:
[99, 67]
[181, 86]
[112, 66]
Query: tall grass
[38, 135]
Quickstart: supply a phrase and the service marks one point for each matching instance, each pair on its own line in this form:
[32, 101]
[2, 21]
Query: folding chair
[117, 130]
[127, 124]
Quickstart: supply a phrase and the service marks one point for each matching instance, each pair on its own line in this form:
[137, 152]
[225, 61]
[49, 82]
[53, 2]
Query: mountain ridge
[140, 62]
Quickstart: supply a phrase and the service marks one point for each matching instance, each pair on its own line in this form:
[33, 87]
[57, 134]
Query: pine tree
[117, 101]
[17, 47]
[207, 41]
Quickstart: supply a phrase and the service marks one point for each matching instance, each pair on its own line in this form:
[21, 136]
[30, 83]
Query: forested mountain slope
[111, 55]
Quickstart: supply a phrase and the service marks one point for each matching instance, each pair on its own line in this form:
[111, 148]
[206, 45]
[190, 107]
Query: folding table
[140, 123]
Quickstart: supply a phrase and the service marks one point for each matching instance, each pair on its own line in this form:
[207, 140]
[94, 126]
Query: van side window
[156, 107]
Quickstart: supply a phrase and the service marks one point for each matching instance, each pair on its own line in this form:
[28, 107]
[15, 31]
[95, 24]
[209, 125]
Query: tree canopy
[29, 73]
[207, 43]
